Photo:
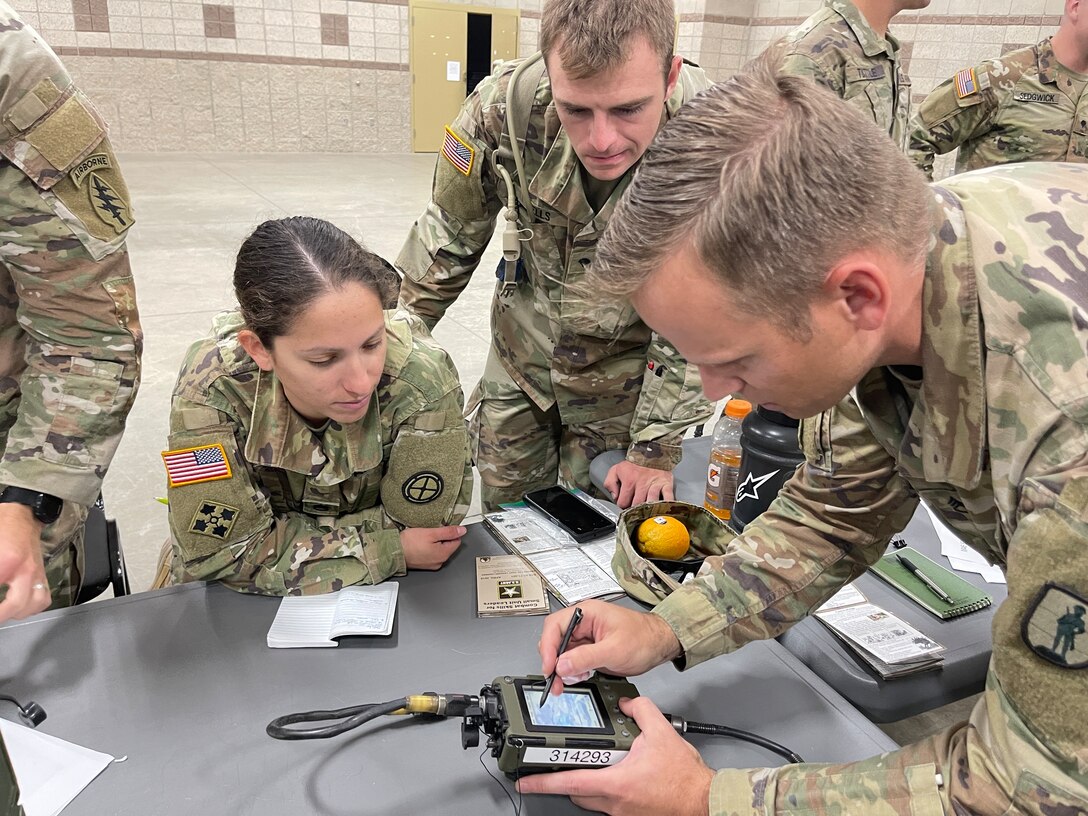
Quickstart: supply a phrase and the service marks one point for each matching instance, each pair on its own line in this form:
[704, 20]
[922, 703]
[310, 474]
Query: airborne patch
[423, 487]
[1054, 626]
[99, 161]
[459, 152]
[214, 520]
[108, 204]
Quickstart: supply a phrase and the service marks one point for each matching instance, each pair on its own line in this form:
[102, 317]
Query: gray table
[180, 681]
[967, 640]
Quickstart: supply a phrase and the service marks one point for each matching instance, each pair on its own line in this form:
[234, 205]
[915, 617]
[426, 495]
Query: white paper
[314, 620]
[849, 595]
[453, 70]
[881, 633]
[50, 771]
[573, 574]
[960, 555]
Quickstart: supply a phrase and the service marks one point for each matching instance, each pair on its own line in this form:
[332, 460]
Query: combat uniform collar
[558, 181]
[871, 43]
[1046, 62]
[953, 388]
[280, 438]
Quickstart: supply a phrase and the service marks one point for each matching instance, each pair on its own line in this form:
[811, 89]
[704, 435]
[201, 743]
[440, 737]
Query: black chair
[104, 560]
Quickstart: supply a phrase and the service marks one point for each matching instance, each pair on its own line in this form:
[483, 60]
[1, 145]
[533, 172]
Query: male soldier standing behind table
[1028, 105]
[564, 380]
[69, 332]
[846, 48]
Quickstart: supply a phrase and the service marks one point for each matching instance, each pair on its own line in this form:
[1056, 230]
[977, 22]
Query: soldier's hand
[662, 774]
[630, 484]
[618, 640]
[429, 547]
[21, 567]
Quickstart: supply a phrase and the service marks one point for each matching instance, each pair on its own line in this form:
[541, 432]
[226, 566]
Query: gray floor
[193, 211]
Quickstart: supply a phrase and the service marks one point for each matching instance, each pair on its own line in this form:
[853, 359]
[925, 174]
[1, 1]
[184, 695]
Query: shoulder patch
[458, 152]
[213, 519]
[966, 83]
[422, 487]
[206, 463]
[1054, 626]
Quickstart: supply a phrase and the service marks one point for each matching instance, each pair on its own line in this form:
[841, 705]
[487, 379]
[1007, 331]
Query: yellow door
[504, 37]
[438, 53]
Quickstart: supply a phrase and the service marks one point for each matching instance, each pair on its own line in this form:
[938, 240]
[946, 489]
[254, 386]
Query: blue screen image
[571, 709]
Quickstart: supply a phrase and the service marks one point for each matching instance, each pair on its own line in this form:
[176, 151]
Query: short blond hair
[771, 179]
[593, 36]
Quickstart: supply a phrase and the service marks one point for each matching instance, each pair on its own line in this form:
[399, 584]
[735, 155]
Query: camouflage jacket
[1024, 106]
[299, 510]
[70, 336]
[991, 431]
[554, 343]
[837, 48]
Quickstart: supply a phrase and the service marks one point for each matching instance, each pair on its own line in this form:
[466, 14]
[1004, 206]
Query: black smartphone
[571, 513]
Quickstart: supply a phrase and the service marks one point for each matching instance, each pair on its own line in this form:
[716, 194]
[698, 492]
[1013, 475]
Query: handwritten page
[314, 621]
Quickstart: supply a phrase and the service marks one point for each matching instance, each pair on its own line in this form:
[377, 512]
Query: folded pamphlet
[508, 585]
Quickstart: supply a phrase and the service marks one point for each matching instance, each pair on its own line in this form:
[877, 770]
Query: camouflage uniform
[70, 336]
[837, 48]
[308, 510]
[992, 432]
[565, 380]
[1024, 106]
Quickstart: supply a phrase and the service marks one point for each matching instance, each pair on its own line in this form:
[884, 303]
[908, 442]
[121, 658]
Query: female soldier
[316, 441]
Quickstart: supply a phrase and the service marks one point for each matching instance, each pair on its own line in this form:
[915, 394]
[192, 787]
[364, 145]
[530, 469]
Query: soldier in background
[959, 372]
[1028, 105]
[846, 47]
[70, 336]
[565, 379]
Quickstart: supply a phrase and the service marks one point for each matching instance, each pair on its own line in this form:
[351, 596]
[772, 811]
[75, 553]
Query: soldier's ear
[260, 353]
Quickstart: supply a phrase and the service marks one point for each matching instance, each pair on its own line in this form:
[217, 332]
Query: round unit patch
[423, 487]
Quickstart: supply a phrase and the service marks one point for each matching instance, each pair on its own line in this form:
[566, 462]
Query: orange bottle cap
[738, 408]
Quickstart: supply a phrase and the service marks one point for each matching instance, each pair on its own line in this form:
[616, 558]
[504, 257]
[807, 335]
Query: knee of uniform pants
[515, 449]
[64, 571]
[580, 446]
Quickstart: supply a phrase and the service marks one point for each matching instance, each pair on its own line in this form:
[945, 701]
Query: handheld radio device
[581, 728]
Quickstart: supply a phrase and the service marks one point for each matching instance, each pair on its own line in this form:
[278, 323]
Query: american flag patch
[191, 465]
[966, 83]
[459, 154]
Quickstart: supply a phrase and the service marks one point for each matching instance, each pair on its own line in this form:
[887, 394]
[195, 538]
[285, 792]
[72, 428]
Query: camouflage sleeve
[428, 476]
[829, 523]
[802, 65]
[446, 242]
[944, 121]
[227, 529]
[671, 400]
[70, 336]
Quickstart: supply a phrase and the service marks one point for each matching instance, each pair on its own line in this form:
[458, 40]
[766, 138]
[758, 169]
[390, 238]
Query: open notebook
[965, 596]
[317, 620]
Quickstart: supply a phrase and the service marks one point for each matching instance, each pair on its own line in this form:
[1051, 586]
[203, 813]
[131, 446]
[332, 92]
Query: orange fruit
[663, 537]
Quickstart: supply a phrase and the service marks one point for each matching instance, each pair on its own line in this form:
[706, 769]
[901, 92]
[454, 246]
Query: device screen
[571, 709]
[570, 511]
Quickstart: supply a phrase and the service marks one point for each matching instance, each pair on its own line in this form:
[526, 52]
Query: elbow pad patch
[423, 477]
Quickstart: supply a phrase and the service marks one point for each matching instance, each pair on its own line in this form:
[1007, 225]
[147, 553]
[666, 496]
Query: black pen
[925, 579]
[574, 621]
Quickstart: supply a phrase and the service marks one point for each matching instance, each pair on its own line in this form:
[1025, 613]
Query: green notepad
[965, 596]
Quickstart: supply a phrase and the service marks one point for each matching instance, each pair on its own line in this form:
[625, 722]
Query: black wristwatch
[45, 508]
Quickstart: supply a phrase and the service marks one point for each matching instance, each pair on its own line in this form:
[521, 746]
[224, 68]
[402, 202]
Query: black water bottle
[770, 455]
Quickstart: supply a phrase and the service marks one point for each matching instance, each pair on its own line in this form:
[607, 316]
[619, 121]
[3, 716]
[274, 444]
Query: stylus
[575, 619]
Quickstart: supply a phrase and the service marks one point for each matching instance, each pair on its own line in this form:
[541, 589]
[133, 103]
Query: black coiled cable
[351, 717]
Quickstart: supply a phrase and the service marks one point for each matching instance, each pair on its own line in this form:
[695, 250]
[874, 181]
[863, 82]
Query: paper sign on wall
[453, 71]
